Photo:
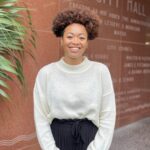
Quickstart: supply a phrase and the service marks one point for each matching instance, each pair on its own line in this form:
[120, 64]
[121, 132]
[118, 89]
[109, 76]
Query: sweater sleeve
[107, 115]
[42, 114]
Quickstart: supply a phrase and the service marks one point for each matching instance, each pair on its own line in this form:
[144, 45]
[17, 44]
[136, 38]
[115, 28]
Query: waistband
[70, 120]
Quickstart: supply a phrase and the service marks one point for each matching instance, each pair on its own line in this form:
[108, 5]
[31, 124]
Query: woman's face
[74, 42]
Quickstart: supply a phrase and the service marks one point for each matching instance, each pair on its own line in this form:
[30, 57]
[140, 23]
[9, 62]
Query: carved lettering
[135, 7]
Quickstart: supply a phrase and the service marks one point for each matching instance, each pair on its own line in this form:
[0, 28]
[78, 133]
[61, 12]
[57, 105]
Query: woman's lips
[74, 49]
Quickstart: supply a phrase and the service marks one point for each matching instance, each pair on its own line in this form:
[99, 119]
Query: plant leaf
[6, 65]
[3, 84]
[4, 94]
[5, 76]
[19, 71]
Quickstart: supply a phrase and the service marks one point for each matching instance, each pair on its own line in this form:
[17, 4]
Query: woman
[74, 102]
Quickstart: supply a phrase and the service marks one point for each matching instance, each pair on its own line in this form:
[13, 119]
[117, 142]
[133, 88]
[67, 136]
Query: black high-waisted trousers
[73, 134]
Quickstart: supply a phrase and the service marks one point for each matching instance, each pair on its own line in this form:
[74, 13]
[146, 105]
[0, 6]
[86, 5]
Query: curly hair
[88, 19]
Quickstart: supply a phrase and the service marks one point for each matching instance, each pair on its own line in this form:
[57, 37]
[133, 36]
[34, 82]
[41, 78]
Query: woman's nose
[76, 40]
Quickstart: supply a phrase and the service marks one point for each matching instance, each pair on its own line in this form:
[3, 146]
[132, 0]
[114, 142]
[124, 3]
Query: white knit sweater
[66, 91]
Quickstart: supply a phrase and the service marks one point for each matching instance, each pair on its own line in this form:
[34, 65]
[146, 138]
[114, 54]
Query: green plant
[13, 36]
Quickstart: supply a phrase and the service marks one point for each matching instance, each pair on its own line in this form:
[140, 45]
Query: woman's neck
[73, 61]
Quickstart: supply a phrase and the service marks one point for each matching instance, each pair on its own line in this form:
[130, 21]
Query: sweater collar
[84, 65]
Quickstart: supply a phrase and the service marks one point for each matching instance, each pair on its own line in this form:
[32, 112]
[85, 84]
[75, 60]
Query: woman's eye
[82, 38]
[69, 37]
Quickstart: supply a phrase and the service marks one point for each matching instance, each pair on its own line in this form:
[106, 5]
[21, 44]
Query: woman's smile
[74, 49]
